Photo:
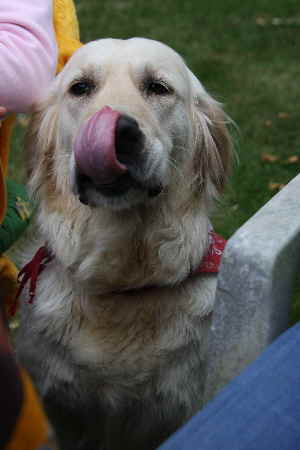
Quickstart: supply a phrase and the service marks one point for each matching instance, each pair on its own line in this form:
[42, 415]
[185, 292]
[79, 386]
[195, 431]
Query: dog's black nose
[129, 141]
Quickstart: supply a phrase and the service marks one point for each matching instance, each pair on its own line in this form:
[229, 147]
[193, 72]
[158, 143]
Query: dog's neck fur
[120, 251]
[114, 251]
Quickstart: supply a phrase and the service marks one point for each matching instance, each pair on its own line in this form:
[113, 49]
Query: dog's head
[125, 122]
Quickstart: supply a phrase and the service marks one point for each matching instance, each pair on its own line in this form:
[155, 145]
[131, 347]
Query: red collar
[30, 272]
[212, 258]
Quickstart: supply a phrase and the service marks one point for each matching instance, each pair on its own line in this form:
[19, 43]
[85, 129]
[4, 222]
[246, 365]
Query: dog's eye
[82, 88]
[158, 88]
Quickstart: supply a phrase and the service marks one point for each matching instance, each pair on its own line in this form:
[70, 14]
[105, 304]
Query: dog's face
[125, 122]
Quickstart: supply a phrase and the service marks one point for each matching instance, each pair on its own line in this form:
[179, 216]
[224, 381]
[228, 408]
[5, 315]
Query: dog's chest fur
[119, 331]
[145, 347]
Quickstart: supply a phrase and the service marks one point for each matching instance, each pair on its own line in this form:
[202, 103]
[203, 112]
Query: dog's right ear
[211, 140]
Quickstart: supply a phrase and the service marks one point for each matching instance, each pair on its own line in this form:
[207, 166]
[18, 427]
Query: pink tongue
[94, 147]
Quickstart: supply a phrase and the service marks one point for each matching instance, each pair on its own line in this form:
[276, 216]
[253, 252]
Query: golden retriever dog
[127, 154]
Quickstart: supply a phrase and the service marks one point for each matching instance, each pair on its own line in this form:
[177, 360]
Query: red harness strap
[31, 272]
[209, 264]
[212, 259]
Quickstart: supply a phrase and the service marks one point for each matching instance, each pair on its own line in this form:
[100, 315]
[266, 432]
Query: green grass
[246, 62]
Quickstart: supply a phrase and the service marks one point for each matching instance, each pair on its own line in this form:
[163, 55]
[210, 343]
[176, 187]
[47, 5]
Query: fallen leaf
[283, 115]
[277, 21]
[268, 123]
[273, 186]
[285, 21]
[293, 159]
[268, 157]
[260, 21]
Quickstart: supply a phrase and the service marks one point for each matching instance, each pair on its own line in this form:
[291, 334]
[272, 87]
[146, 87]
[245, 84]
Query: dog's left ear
[211, 139]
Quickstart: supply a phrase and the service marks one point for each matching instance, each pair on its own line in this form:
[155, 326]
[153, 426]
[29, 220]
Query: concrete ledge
[254, 288]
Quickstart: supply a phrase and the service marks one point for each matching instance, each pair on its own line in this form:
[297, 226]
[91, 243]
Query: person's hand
[3, 111]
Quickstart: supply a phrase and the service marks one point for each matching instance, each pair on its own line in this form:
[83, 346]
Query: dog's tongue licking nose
[95, 149]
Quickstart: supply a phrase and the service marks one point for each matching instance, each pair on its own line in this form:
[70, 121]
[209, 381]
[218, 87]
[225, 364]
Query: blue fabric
[259, 410]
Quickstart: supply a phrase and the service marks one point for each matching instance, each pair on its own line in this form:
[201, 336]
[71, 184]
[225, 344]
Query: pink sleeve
[28, 52]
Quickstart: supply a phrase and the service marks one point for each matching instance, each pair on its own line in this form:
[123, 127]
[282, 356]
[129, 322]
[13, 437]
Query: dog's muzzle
[109, 155]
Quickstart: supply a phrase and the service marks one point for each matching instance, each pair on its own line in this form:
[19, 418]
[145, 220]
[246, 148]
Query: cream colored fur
[89, 344]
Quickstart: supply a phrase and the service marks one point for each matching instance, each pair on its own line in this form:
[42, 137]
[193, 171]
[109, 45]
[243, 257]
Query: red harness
[212, 258]
[30, 272]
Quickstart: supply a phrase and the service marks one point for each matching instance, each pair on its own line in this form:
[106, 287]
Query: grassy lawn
[247, 54]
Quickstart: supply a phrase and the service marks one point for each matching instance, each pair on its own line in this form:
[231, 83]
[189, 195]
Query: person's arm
[28, 53]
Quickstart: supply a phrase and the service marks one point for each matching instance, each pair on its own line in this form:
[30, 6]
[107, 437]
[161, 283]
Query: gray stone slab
[254, 287]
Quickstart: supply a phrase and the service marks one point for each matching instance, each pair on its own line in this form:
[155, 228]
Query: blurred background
[247, 54]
